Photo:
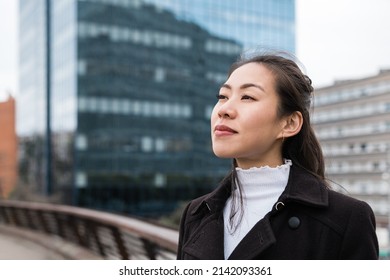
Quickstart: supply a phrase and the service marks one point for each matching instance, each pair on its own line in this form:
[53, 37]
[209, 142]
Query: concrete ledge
[55, 244]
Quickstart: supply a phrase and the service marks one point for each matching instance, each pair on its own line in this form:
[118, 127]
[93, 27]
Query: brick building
[8, 147]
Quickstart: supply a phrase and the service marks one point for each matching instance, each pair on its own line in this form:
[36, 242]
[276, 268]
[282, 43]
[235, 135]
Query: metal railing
[108, 235]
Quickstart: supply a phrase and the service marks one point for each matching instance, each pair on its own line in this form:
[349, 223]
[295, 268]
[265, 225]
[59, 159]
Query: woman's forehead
[251, 73]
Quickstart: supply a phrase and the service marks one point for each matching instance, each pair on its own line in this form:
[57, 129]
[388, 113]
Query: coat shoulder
[345, 211]
[346, 203]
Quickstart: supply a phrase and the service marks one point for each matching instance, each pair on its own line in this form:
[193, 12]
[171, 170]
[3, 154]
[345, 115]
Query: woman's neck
[248, 163]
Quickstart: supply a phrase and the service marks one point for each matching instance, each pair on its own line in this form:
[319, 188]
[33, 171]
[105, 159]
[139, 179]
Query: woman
[275, 203]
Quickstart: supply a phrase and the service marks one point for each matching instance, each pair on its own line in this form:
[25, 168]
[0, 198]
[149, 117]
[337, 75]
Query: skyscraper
[124, 89]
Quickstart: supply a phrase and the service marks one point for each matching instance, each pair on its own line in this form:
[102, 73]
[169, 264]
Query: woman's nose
[227, 110]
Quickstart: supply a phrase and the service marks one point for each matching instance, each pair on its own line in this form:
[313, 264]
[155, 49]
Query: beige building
[352, 121]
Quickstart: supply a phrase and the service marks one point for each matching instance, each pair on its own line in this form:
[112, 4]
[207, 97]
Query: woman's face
[244, 122]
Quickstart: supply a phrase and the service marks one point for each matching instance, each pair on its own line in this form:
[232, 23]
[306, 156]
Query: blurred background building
[352, 121]
[8, 147]
[115, 96]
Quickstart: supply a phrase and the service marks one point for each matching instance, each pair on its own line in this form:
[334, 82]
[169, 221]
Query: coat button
[294, 222]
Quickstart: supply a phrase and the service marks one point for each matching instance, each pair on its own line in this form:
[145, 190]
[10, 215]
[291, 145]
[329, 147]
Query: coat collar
[302, 187]
[305, 188]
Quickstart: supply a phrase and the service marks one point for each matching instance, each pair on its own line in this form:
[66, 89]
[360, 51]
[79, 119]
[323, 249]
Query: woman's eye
[247, 97]
[221, 96]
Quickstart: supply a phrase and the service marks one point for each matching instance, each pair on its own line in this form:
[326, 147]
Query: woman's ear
[292, 124]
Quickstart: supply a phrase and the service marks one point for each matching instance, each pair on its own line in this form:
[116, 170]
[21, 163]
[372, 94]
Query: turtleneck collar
[267, 177]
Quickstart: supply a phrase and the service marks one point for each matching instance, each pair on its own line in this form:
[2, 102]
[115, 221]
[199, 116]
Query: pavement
[15, 248]
[21, 244]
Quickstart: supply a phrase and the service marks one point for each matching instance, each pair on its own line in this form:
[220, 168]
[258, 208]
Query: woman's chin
[223, 154]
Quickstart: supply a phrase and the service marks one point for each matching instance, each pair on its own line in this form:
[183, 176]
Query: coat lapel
[207, 242]
[258, 239]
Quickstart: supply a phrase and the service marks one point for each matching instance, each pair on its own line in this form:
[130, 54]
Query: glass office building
[116, 95]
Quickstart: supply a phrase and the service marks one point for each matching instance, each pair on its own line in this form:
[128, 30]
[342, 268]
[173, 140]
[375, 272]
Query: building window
[159, 75]
[160, 145]
[146, 144]
[375, 166]
[145, 37]
[81, 180]
[160, 180]
[81, 67]
[81, 142]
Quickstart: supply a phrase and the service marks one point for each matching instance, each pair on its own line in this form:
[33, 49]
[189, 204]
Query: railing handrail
[157, 235]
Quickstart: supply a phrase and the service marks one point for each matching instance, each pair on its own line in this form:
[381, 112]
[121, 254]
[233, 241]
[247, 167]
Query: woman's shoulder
[316, 190]
[345, 212]
[347, 203]
[337, 210]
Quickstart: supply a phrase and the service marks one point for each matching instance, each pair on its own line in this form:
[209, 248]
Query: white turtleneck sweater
[261, 187]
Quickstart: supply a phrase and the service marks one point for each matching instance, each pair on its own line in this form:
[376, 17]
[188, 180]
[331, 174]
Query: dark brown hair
[294, 90]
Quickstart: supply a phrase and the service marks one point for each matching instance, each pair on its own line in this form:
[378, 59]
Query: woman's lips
[223, 130]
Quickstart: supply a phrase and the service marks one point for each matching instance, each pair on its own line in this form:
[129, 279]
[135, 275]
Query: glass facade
[132, 86]
[31, 99]
[254, 23]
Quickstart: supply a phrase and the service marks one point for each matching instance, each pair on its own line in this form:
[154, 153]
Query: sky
[343, 39]
[335, 40]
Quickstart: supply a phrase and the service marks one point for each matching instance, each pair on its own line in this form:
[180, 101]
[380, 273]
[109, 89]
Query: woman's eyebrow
[226, 86]
[244, 86]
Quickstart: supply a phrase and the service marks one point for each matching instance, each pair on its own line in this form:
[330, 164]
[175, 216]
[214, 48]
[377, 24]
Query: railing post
[60, 224]
[43, 222]
[15, 217]
[30, 220]
[3, 213]
[119, 243]
[93, 229]
[150, 248]
[76, 231]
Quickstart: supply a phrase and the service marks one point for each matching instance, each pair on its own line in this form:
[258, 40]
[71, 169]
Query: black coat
[312, 222]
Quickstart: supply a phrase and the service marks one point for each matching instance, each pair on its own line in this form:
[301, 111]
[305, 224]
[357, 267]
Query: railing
[108, 235]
